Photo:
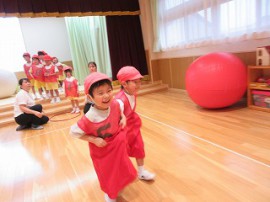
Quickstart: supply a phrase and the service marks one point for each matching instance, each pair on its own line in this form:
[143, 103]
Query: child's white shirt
[49, 67]
[131, 99]
[94, 115]
[58, 64]
[28, 64]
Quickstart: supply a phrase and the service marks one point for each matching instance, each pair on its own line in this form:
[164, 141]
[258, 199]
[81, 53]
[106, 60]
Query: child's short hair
[97, 84]
[68, 70]
[92, 62]
[41, 53]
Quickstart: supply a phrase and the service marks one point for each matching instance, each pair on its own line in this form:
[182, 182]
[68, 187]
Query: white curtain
[11, 45]
[195, 23]
[88, 42]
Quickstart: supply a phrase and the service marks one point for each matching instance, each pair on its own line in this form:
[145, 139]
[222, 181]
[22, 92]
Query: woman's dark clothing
[29, 119]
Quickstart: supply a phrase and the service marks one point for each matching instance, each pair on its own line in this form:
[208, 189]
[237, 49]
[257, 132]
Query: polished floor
[197, 154]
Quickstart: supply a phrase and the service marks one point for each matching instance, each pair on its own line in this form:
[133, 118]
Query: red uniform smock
[71, 88]
[37, 72]
[26, 68]
[112, 164]
[135, 145]
[51, 76]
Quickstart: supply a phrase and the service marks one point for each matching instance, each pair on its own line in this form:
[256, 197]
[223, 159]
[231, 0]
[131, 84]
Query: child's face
[35, 61]
[48, 62]
[131, 87]
[92, 68]
[55, 61]
[41, 57]
[102, 96]
[27, 58]
[68, 74]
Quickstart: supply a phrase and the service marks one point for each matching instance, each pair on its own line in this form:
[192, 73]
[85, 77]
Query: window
[11, 45]
[196, 23]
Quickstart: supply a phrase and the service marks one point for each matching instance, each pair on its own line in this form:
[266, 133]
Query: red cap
[66, 68]
[47, 57]
[128, 73]
[26, 54]
[93, 78]
[35, 56]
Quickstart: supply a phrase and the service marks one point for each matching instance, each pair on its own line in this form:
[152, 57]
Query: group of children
[112, 129]
[110, 124]
[46, 74]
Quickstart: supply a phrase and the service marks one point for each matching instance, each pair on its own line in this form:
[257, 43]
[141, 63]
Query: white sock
[108, 199]
[140, 169]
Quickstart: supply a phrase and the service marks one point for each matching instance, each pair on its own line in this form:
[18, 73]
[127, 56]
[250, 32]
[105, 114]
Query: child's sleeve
[76, 131]
[121, 105]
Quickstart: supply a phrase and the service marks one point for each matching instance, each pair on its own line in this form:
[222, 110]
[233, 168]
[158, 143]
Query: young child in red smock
[37, 72]
[60, 67]
[130, 79]
[50, 77]
[103, 126]
[26, 68]
[70, 86]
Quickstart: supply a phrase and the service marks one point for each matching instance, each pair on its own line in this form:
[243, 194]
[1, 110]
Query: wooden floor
[197, 154]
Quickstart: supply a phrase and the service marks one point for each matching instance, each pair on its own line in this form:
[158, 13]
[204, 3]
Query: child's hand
[123, 121]
[99, 142]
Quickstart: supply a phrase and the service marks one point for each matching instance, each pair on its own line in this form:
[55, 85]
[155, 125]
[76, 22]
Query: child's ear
[89, 97]
[124, 83]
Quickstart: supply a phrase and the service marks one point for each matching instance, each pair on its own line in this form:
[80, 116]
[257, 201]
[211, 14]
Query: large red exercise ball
[216, 80]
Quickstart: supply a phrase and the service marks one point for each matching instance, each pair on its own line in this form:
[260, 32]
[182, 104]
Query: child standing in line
[37, 72]
[103, 126]
[70, 86]
[26, 68]
[92, 66]
[130, 79]
[60, 68]
[50, 77]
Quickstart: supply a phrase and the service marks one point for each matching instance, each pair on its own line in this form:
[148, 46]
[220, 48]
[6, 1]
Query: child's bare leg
[51, 93]
[57, 99]
[77, 106]
[140, 162]
[73, 106]
[56, 92]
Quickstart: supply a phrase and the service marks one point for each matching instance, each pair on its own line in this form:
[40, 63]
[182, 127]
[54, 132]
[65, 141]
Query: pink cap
[35, 56]
[47, 57]
[26, 54]
[128, 73]
[66, 68]
[93, 78]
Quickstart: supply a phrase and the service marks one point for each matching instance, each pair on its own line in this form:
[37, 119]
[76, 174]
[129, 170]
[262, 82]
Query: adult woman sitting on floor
[26, 113]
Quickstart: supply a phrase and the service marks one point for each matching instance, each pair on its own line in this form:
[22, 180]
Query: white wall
[48, 34]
